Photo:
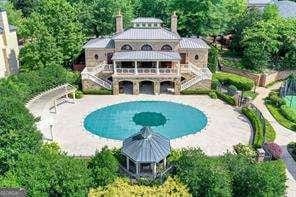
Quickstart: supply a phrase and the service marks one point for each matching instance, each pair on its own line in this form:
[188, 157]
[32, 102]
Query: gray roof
[287, 9]
[145, 55]
[146, 34]
[193, 43]
[11, 28]
[146, 146]
[100, 43]
[146, 20]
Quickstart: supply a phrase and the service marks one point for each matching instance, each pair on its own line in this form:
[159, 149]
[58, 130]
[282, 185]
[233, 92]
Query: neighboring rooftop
[100, 43]
[146, 146]
[193, 43]
[11, 28]
[259, 2]
[287, 9]
[146, 55]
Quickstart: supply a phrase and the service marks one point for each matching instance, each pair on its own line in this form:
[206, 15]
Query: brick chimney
[119, 23]
[174, 22]
[4, 24]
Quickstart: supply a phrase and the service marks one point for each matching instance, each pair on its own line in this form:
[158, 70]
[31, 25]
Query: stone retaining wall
[259, 79]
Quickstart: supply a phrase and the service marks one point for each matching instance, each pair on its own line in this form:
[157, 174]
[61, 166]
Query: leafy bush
[213, 95]
[215, 84]
[274, 149]
[98, 91]
[246, 150]
[213, 59]
[288, 112]
[275, 99]
[242, 83]
[256, 179]
[254, 118]
[50, 172]
[123, 187]
[104, 167]
[224, 97]
[78, 94]
[232, 90]
[202, 175]
[196, 91]
[270, 133]
[292, 149]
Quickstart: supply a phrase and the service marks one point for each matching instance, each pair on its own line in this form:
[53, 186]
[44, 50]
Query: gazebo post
[137, 168]
[154, 169]
[127, 163]
[164, 163]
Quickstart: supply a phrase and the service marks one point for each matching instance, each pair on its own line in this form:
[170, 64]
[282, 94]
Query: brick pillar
[177, 86]
[115, 87]
[136, 87]
[156, 87]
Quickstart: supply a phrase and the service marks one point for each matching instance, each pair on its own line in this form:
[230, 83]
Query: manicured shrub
[274, 149]
[213, 59]
[104, 167]
[232, 90]
[246, 150]
[288, 112]
[224, 97]
[215, 84]
[254, 118]
[270, 132]
[203, 175]
[196, 91]
[213, 95]
[97, 91]
[123, 187]
[242, 83]
[78, 94]
[275, 99]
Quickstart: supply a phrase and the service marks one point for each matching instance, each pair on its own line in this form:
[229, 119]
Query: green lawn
[251, 94]
[280, 118]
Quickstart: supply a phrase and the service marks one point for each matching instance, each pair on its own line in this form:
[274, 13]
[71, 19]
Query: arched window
[146, 47]
[126, 47]
[166, 48]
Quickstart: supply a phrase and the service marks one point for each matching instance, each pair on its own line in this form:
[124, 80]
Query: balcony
[146, 71]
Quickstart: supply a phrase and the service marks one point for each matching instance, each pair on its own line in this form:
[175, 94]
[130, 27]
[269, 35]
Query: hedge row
[98, 91]
[242, 83]
[227, 98]
[289, 113]
[254, 118]
[196, 91]
[228, 175]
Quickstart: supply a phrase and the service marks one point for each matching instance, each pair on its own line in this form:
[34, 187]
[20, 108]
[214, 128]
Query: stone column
[157, 67]
[114, 66]
[177, 86]
[115, 87]
[156, 87]
[136, 90]
[136, 67]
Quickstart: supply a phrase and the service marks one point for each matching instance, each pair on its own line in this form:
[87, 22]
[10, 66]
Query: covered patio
[146, 63]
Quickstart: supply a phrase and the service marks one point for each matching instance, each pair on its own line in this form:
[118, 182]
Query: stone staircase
[92, 74]
[199, 75]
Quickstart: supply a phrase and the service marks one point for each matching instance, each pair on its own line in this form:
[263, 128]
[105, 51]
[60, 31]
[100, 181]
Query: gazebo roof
[289, 87]
[146, 146]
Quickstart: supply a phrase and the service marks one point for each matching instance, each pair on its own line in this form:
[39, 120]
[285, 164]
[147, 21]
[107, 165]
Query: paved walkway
[283, 137]
[226, 126]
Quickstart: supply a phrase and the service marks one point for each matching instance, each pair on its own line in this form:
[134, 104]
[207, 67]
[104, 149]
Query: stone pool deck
[226, 126]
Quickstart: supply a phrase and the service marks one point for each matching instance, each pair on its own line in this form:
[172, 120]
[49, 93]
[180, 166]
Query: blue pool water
[170, 119]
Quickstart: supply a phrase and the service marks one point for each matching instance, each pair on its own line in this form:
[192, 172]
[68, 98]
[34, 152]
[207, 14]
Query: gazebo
[289, 89]
[145, 151]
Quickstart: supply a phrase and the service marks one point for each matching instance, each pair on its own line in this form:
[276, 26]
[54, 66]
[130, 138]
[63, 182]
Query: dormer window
[126, 47]
[146, 47]
[166, 48]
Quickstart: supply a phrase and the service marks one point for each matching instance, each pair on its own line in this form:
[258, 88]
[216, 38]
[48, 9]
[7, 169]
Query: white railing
[147, 71]
[168, 71]
[97, 80]
[125, 71]
[200, 74]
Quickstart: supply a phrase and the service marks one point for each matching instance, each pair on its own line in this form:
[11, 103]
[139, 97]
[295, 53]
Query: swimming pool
[170, 119]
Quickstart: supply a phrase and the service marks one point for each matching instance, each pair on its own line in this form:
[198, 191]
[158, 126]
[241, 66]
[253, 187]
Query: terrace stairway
[199, 75]
[91, 74]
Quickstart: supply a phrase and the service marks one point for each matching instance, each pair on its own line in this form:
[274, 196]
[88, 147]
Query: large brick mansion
[147, 58]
